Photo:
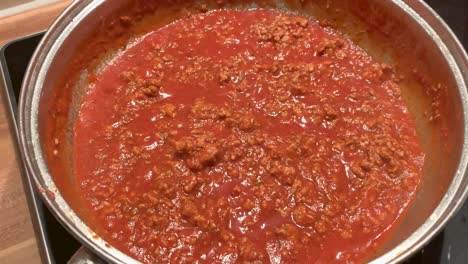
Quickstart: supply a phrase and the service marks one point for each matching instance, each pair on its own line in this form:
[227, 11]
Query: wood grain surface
[17, 240]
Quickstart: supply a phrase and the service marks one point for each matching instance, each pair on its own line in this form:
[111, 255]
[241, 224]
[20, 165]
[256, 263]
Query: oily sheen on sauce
[246, 136]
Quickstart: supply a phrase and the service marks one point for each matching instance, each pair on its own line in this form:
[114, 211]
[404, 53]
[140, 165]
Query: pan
[405, 34]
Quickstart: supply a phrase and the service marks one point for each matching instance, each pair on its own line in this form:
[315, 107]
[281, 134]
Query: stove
[58, 246]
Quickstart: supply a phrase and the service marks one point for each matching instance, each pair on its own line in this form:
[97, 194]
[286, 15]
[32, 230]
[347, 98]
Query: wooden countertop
[17, 240]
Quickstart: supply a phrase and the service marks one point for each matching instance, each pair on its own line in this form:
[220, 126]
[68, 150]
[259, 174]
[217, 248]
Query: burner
[57, 245]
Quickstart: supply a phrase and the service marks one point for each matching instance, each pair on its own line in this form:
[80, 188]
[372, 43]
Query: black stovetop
[450, 246]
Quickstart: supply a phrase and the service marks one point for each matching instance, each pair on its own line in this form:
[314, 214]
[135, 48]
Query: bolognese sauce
[253, 136]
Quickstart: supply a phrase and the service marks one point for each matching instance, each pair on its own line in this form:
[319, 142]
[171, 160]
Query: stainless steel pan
[407, 34]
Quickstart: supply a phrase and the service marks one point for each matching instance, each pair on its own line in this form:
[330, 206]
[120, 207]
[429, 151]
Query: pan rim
[30, 148]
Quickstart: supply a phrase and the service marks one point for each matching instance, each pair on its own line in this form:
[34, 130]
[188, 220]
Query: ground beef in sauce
[252, 136]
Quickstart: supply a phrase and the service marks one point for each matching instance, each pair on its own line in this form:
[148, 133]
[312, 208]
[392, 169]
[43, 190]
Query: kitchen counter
[17, 240]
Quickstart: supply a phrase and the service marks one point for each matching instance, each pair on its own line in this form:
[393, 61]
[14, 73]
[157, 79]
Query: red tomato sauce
[246, 136]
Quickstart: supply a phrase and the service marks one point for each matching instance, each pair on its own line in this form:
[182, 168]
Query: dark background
[454, 12]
